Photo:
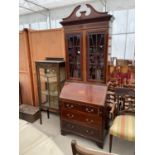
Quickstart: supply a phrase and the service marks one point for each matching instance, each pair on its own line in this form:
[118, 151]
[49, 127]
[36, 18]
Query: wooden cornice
[94, 16]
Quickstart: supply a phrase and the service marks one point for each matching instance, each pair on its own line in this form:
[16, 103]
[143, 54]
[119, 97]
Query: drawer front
[82, 107]
[90, 120]
[92, 133]
[89, 109]
[69, 106]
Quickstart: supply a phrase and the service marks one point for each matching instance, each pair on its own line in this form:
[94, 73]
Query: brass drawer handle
[89, 121]
[69, 106]
[70, 115]
[70, 126]
[89, 110]
[89, 132]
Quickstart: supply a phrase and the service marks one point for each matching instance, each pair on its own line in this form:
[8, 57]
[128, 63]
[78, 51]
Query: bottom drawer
[91, 133]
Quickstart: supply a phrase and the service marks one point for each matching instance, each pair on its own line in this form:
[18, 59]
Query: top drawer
[81, 107]
[89, 109]
[68, 106]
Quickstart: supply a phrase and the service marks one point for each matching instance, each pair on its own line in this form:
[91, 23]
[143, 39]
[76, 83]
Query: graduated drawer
[81, 107]
[92, 133]
[69, 106]
[88, 119]
[89, 109]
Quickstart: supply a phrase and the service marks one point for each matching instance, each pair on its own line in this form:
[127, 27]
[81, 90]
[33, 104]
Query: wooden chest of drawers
[83, 110]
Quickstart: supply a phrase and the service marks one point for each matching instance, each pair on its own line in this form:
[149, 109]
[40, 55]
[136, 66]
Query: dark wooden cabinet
[50, 78]
[87, 44]
[82, 99]
[83, 110]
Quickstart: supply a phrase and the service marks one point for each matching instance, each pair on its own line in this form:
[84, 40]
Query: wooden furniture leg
[20, 95]
[110, 142]
[40, 117]
[100, 145]
[73, 143]
[48, 114]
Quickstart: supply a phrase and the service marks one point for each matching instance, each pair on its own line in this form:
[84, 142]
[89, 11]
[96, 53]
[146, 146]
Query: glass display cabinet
[50, 80]
[87, 40]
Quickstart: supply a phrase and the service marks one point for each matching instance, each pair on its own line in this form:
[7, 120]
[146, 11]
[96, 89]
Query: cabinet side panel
[24, 70]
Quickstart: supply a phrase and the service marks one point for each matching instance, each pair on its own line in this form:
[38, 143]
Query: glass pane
[74, 54]
[118, 46]
[49, 87]
[62, 74]
[95, 56]
[131, 21]
[130, 45]
[120, 22]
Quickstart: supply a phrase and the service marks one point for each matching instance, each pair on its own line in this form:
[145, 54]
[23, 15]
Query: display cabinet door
[48, 87]
[96, 48]
[74, 56]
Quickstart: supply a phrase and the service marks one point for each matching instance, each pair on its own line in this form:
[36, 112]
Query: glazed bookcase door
[95, 56]
[74, 56]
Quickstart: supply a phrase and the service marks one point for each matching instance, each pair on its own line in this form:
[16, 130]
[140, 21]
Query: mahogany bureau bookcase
[83, 110]
[82, 99]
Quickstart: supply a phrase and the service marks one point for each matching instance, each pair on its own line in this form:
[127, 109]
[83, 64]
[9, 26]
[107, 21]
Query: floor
[51, 127]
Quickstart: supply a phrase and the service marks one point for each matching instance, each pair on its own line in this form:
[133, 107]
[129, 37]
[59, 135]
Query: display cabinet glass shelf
[50, 80]
[87, 41]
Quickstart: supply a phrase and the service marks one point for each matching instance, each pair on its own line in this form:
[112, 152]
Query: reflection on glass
[95, 56]
[74, 55]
